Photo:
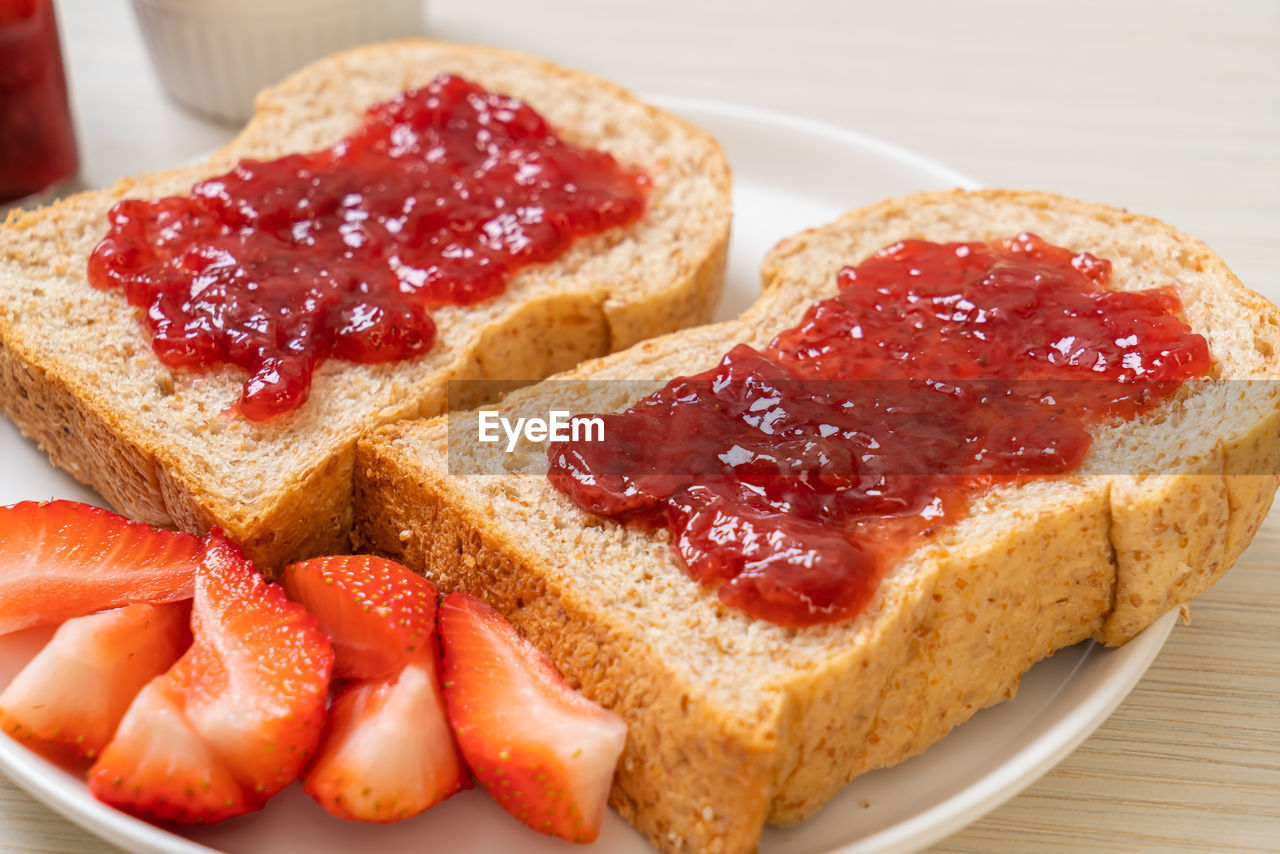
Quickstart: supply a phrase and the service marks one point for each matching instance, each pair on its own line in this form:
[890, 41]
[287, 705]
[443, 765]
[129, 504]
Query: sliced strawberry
[380, 615]
[544, 752]
[71, 696]
[159, 768]
[387, 753]
[257, 677]
[64, 559]
[252, 688]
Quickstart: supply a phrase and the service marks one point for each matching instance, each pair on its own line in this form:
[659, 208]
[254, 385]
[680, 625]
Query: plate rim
[966, 806]
[847, 136]
[1035, 759]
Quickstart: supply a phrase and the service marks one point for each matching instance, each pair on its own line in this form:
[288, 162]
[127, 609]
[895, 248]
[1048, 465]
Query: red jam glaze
[437, 199]
[791, 478]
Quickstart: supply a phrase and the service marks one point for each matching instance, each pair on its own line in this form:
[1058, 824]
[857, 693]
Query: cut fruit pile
[388, 752]
[236, 718]
[196, 711]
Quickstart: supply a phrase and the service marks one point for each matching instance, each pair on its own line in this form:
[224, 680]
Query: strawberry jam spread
[791, 477]
[436, 199]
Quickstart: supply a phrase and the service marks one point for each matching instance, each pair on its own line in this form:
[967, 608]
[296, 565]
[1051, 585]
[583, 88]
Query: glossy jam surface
[37, 145]
[790, 478]
[437, 199]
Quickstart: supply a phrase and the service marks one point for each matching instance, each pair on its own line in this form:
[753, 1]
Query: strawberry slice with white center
[387, 753]
[69, 699]
[545, 752]
[64, 559]
[380, 615]
[251, 690]
[159, 768]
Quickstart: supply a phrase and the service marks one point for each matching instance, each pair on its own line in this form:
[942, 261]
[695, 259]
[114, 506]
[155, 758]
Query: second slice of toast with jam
[203, 346]
[957, 432]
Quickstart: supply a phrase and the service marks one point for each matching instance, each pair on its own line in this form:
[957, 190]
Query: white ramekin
[215, 55]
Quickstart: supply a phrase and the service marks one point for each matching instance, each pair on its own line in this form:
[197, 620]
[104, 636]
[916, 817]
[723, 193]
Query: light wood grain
[1171, 108]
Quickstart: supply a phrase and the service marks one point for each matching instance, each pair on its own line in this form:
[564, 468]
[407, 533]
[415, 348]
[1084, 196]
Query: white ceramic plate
[789, 174]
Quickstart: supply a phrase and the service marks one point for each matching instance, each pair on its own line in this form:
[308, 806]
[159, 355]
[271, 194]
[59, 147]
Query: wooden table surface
[1170, 108]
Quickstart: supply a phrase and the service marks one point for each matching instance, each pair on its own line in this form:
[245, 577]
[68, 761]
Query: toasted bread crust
[1031, 570]
[183, 463]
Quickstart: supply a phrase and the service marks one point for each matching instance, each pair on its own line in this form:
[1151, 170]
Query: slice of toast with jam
[740, 715]
[253, 429]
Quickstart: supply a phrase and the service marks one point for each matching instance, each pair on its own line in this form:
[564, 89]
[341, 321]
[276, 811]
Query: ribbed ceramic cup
[216, 55]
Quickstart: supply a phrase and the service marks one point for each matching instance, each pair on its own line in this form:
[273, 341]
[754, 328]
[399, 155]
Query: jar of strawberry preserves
[37, 144]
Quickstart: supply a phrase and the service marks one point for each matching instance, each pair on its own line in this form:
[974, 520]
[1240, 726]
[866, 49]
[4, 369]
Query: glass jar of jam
[37, 144]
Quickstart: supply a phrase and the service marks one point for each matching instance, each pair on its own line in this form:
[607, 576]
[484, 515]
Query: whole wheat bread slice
[78, 375]
[735, 721]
